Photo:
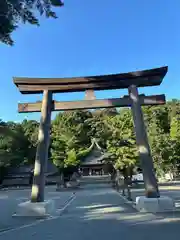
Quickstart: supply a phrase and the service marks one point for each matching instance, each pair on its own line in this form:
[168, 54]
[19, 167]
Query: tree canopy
[12, 12]
[72, 133]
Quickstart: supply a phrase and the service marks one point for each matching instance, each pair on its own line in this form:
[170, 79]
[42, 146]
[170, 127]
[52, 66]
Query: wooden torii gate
[131, 81]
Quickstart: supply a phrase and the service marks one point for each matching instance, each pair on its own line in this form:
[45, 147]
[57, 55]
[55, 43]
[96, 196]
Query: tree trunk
[31, 178]
[61, 183]
[113, 177]
[118, 180]
[3, 172]
[127, 183]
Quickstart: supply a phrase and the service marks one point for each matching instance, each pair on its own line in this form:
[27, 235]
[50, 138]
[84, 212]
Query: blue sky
[93, 37]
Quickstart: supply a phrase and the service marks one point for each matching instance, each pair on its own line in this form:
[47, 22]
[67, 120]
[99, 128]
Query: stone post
[41, 160]
[151, 186]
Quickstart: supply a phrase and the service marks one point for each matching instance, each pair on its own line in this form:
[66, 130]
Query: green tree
[99, 128]
[162, 125]
[14, 147]
[69, 138]
[12, 12]
[5, 156]
[122, 141]
[31, 129]
[72, 132]
[174, 115]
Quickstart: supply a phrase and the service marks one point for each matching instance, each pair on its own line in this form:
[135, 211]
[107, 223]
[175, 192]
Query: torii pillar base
[36, 210]
[155, 205]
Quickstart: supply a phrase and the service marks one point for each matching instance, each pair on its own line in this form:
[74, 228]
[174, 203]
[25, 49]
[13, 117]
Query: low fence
[25, 180]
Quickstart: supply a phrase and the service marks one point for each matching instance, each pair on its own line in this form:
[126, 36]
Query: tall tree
[122, 141]
[163, 125]
[69, 139]
[72, 132]
[99, 129]
[12, 12]
[30, 129]
[14, 147]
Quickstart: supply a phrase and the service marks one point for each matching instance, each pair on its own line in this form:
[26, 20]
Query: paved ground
[11, 198]
[99, 212]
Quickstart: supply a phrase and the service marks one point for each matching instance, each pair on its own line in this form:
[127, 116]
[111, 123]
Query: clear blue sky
[94, 37]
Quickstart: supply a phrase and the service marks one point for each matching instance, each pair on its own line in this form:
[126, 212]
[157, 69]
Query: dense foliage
[12, 12]
[73, 131]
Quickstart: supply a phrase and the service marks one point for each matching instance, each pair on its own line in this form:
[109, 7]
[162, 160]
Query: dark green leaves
[69, 138]
[12, 12]
[72, 132]
[57, 3]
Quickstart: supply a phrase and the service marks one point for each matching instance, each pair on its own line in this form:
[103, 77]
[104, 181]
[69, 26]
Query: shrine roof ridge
[150, 77]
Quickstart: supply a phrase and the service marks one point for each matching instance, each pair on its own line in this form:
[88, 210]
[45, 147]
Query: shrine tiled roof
[95, 156]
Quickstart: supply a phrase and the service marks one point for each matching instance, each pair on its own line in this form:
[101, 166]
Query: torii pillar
[151, 202]
[41, 159]
[38, 207]
[151, 186]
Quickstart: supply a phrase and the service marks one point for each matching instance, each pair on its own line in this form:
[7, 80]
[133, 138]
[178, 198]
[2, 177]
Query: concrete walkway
[98, 212]
[11, 198]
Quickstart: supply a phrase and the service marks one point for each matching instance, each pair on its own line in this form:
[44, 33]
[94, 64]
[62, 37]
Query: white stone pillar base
[39, 209]
[155, 205]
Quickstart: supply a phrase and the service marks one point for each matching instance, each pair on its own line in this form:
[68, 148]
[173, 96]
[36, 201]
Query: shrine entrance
[93, 163]
[132, 81]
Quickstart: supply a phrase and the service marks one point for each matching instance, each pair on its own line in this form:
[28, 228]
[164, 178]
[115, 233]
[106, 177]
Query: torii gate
[131, 81]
